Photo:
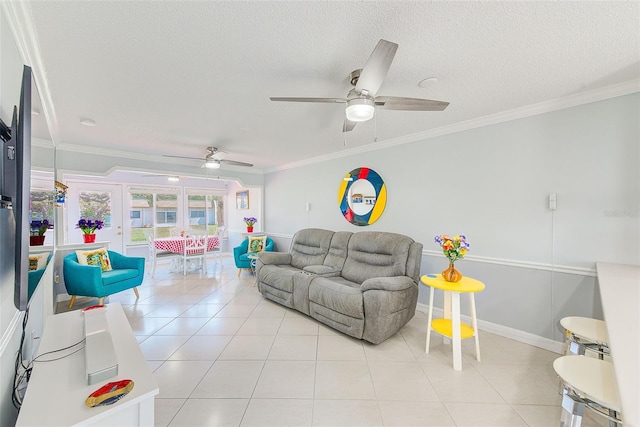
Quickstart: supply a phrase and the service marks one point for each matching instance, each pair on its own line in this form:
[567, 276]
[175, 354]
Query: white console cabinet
[58, 389]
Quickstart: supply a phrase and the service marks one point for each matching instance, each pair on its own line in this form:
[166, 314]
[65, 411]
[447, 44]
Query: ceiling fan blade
[234, 163]
[328, 100]
[182, 157]
[411, 104]
[376, 68]
[348, 125]
[219, 155]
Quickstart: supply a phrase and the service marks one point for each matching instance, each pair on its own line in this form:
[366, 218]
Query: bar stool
[585, 333]
[587, 382]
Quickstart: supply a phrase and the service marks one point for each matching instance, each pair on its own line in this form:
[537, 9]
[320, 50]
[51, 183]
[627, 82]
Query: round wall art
[362, 196]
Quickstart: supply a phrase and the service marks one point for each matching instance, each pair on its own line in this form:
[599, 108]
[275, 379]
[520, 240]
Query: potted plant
[89, 227]
[454, 248]
[250, 221]
[38, 228]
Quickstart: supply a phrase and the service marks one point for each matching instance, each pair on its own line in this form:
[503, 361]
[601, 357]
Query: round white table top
[591, 378]
[593, 330]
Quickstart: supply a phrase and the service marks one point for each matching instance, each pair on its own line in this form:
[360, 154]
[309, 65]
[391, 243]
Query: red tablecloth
[176, 244]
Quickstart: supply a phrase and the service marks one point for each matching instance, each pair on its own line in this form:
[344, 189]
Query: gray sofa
[364, 284]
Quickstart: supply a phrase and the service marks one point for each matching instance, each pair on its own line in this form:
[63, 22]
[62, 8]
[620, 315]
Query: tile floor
[225, 356]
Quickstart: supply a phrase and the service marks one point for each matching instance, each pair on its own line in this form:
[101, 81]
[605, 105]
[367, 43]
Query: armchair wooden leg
[73, 299]
[239, 271]
[100, 301]
[136, 291]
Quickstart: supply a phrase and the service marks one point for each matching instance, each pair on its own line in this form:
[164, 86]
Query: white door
[95, 201]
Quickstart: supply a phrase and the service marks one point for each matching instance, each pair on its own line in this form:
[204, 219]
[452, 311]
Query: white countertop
[620, 292]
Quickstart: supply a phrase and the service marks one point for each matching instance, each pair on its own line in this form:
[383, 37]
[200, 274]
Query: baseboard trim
[504, 331]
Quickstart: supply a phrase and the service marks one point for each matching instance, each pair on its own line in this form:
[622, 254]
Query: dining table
[176, 244]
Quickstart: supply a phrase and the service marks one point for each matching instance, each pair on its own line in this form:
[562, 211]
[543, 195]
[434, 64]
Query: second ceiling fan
[362, 100]
[214, 158]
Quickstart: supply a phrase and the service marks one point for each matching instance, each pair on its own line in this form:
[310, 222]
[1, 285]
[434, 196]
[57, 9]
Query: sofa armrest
[397, 283]
[119, 262]
[84, 280]
[274, 258]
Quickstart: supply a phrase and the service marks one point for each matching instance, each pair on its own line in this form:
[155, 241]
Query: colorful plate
[109, 393]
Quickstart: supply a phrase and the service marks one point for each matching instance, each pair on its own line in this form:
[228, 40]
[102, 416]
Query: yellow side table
[450, 326]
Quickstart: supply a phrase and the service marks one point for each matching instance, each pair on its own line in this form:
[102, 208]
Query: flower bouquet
[454, 248]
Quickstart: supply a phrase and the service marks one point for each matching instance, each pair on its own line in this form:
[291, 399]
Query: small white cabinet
[58, 389]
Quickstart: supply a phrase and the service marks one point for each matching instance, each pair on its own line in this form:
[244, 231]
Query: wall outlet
[553, 201]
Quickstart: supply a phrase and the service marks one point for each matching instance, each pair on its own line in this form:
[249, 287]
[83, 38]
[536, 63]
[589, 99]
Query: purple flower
[89, 226]
[39, 227]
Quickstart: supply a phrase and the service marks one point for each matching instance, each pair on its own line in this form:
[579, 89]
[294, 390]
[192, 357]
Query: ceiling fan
[214, 158]
[362, 100]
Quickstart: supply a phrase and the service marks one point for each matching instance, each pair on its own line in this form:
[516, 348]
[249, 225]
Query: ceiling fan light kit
[212, 164]
[360, 109]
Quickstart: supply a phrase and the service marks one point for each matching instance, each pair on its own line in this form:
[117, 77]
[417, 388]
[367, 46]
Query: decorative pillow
[99, 257]
[38, 261]
[257, 244]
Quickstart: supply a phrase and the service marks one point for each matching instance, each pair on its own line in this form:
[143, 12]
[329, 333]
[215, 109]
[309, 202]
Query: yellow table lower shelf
[444, 327]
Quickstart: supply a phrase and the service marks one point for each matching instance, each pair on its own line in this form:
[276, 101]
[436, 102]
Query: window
[204, 210]
[41, 206]
[96, 205]
[151, 212]
[156, 211]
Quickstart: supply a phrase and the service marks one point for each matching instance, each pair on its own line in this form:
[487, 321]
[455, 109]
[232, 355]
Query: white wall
[492, 184]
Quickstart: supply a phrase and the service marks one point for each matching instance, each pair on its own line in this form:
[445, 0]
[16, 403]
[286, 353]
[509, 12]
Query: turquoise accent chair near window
[91, 281]
[242, 257]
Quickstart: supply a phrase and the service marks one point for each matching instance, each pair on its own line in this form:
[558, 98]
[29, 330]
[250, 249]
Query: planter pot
[451, 274]
[36, 240]
[249, 229]
[89, 238]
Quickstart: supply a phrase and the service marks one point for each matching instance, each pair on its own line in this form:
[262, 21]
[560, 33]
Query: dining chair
[195, 249]
[221, 235]
[155, 254]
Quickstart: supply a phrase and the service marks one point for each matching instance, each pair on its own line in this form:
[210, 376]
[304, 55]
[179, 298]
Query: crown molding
[20, 21]
[595, 95]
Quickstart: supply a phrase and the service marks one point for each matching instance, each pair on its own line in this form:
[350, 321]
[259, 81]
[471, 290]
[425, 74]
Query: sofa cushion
[310, 247]
[114, 276]
[376, 254]
[99, 257]
[338, 250]
[257, 244]
[278, 277]
[337, 294]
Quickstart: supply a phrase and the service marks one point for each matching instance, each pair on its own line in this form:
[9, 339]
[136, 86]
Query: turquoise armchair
[242, 257]
[91, 281]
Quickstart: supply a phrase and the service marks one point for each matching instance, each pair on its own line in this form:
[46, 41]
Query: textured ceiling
[173, 77]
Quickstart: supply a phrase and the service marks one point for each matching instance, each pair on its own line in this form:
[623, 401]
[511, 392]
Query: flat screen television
[15, 186]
